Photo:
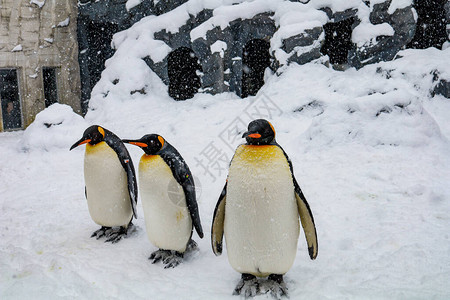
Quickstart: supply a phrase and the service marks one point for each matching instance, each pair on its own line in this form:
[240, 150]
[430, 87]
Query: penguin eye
[96, 137]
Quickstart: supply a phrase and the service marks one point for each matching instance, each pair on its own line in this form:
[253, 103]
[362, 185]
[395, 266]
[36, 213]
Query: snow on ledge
[64, 23]
[132, 3]
[399, 4]
[222, 16]
[219, 47]
[366, 33]
[17, 48]
[40, 4]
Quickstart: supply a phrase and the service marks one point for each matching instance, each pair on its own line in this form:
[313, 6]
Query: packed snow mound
[362, 107]
[393, 119]
[54, 127]
[129, 82]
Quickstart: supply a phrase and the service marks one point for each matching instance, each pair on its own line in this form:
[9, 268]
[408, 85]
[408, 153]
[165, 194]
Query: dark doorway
[338, 40]
[431, 24]
[182, 67]
[255, 60]
[94, 40]
[50, 86]
[99, 39]
[9, 95]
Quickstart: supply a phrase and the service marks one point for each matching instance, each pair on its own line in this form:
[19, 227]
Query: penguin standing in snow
[111, 186]
[258, 212]
[167, 191]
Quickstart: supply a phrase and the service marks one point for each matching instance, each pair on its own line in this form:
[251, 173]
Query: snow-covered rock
[385, 28]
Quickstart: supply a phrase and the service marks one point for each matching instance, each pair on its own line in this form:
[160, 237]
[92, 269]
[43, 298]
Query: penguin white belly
[167, 218]
[261, 217]
[106, 186]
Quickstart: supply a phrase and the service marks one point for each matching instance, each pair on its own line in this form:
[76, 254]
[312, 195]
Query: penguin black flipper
[183, 176]
[307, 220]
[304, 211]
[218, 223]
[117, 145]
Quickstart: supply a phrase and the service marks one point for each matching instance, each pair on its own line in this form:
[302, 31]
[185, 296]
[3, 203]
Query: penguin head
[150, 143]
[92, 135]
[260, 132]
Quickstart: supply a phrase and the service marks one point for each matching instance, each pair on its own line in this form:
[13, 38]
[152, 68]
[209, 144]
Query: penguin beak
[251, 135]
[80, 142]
[136, 143]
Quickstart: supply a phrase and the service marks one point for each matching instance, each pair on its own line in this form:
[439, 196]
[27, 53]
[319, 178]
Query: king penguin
[258, 212]
[168, 197]
[111, 186]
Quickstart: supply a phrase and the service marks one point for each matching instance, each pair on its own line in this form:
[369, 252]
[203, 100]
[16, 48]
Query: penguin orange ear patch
[271, 126]
[161, 140]
[102, 132]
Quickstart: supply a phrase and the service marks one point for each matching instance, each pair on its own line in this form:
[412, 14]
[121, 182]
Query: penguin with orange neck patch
[168, 197]
[258, 212]
[111, 186]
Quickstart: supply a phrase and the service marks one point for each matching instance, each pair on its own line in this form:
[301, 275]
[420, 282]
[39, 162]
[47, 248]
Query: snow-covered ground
[370, 150]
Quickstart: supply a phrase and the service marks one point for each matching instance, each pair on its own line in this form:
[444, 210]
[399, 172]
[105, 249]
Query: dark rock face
[338, 40]
[431, 28]
[338, 32]
[447, 18]
[97, 22]
[386, 47]
[242, 32]
[307, 40]
[165, 6]
[442, 88]
[233, 59]
[182, 39]
[221, 73]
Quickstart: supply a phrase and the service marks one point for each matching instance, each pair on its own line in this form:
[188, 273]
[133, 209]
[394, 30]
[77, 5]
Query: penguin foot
[248, 286]
[169, 258]
[101, 232]
[173, 260]
[191, 246]
[159, 255]
[131, 229]
[115, 235]
[276, 286]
